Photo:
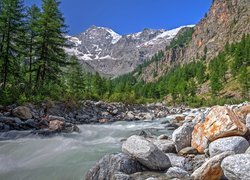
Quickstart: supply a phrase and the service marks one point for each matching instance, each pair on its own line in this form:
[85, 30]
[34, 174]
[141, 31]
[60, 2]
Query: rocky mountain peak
[112, 54]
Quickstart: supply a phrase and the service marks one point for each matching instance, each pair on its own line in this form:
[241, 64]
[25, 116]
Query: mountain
[110, 54]
[226, 22]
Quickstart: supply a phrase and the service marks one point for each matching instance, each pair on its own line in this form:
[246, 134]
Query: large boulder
[248, 151]
[146, 153]
[22, 112]
[183, 135]
[236, 144]
[167, 146]
[237, 167]
[248, 121]
[220, 122]
[113, 167]
[211, 169]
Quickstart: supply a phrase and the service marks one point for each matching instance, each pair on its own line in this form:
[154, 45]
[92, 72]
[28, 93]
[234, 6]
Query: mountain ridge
[112, 54]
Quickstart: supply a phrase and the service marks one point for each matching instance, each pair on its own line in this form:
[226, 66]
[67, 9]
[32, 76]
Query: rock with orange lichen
[220, 122]
[211, 169]
[242, 112]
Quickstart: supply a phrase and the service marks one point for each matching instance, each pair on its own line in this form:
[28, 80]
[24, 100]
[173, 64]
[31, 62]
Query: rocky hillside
[226, 22]
[111, 54]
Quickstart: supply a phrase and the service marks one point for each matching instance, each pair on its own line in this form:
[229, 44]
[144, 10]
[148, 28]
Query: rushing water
[65, 157]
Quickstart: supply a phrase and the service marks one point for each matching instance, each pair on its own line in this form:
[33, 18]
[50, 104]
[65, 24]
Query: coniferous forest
[35, 68]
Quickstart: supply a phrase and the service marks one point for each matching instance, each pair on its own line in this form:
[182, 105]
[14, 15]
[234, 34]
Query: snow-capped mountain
[112, 54]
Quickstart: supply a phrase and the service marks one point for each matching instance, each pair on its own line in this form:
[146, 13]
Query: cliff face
[226, 21]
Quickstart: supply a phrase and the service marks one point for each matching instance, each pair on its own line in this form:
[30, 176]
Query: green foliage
[34, 67]
[182, 39]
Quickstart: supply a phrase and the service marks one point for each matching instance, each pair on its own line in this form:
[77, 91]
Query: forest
[35, 68]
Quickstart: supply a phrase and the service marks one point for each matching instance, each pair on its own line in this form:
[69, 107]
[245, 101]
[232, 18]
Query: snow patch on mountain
[167, 35]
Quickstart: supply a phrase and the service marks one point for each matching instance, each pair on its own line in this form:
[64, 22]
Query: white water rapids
[67, 156]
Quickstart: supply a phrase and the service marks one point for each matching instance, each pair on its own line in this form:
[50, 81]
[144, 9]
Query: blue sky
[129, 16]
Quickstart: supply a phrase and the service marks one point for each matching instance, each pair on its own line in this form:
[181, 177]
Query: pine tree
[33, 15]
[51, 56]
[11, 41]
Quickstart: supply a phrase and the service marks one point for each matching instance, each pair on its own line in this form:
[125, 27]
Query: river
[67, 156]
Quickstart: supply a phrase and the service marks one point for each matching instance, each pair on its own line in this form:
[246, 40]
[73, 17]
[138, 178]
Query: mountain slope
[226, 22]
[111, 54]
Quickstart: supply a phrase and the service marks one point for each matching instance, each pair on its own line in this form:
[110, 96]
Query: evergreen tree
[12, 35]
[51, 55]
[33, 15]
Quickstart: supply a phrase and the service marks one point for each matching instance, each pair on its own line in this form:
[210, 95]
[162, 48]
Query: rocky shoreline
[214, 144]
[55, 117]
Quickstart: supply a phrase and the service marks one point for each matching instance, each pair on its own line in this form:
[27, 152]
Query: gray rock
[248, 151]
[146, 153]
[211, 168]
[113, 167]
[193, 162]
[121, 176]
[22, 112]
[176, 172]
[237, 144]
[167, 146]
[237, 167]
[182, 136]
[176, 161]
[162, 137]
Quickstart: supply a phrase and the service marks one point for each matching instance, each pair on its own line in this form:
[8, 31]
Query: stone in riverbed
[188, 150]
[242, 112]
[211, 169]
[22, 112]
[182, 136]
[166, 146]
[114, 166]
[176, 161]
[220, 122]
[248, 151]
[146, 153]
[176, 172]
[237, 167]
[163, 137]
[237, 144]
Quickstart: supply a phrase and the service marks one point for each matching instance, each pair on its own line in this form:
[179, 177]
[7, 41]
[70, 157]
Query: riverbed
[66, 156]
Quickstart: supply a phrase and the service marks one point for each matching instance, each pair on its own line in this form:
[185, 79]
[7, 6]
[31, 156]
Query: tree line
[34, 66]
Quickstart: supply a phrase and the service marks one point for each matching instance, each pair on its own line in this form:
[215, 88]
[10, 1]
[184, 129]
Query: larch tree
[51, 40]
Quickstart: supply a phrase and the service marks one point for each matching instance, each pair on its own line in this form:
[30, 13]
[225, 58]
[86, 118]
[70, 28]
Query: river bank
[212, 145]
[55, 117]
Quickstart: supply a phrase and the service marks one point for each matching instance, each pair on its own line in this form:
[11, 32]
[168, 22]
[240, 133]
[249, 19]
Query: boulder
[22, 112]
[237, 167]
[60, 126]
[248, 151]
[56, 125]
[176, 172]
[162, 137]
[237, 144]
[182, 136]
[188, 150]
[193, 162]
[220, 122]
[211, 169]
[242, 112]
[146, 153]
[176, 161]
[114, 166]
[167, 146]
